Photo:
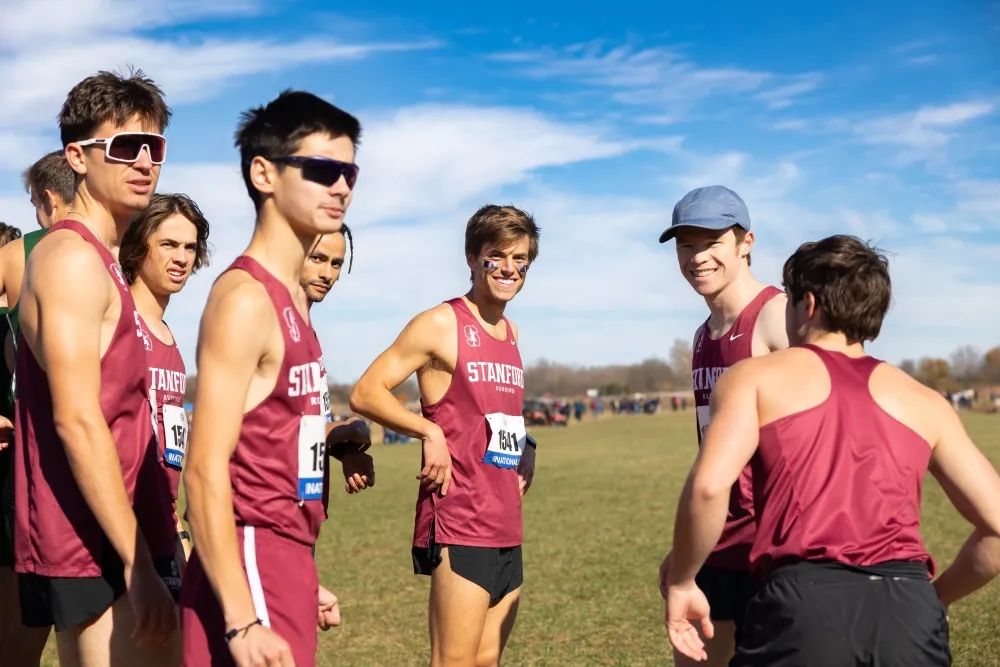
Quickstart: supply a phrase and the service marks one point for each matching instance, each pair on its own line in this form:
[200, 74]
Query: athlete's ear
[810, 300]
[263, 174]
[76, 159]
[748, 241]
[49, 202]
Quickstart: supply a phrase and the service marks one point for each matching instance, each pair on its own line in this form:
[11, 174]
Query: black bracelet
[184, 535]
[528, 440]
[235, 631]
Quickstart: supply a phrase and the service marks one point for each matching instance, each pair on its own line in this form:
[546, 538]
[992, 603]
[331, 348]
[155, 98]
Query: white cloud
[926, 128]
[656, 76]
[50, 45]
[433, 158]
[784, 95]
[928, 59]
[27, 22]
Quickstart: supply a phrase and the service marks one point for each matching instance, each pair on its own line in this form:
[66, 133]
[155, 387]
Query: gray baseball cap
[710, 207]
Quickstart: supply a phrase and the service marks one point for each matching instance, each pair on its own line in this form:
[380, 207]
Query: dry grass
[597, 524]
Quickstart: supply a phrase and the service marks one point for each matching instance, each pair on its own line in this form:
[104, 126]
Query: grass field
[598, 520]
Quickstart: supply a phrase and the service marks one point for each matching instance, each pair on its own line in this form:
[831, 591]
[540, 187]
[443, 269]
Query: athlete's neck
[834, 342]
[278, 248]
[489, 310]
[150, 306]
[726, 305]
[99, 219]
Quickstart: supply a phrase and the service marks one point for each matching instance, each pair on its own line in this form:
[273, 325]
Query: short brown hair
[135, 243]
[500, 226]
[740, 234]
[107, 96]
[849, 280]
[51, 172]
[8, 233]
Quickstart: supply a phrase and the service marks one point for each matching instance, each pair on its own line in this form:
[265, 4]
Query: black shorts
[7, 507]
[728, 592]
[830, 615]
[498, 571]
[167, 568]
[67, 602]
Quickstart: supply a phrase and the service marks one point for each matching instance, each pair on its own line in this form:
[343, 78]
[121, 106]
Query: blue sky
[881, 121]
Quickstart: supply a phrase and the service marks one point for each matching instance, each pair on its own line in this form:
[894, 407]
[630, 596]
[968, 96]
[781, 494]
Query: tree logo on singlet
[472, 336]
[293, 327]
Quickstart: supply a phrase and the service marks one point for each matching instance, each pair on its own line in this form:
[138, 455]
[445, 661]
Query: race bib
[324, 398]
[312, 456]
[704, 419]
[507, 438]
[175, 431]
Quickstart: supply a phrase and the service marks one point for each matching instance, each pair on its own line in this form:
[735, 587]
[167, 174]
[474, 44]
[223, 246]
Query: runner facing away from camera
[840, 443]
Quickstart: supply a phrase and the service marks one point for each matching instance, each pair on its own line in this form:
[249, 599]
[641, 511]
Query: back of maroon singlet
[710, 359]
[56, 535]
[481, 415]
[839, 482]
[278, 469]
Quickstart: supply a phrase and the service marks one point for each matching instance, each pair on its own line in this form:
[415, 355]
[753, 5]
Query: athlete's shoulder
[435, 321]
[76, 256]
[770, 328]
[903, 383]
[238, 290]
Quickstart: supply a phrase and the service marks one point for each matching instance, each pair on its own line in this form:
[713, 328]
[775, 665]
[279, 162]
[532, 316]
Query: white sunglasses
[127, 146]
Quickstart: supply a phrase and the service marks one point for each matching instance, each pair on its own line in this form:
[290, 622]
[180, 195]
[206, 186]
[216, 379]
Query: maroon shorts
[285, 590]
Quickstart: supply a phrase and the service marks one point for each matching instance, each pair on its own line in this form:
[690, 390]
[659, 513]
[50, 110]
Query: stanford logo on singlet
[703, 380]
[508, 378]
[293, 326]
[175, 423]
[472, 336]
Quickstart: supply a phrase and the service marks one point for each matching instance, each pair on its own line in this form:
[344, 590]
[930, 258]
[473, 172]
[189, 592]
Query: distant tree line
[967, 368]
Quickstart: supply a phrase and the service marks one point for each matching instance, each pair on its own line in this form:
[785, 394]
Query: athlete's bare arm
[229, 353]
[728, 446]
[12, 270]
[973, 486]
[421, 346]
[770, 334]
[68, 327]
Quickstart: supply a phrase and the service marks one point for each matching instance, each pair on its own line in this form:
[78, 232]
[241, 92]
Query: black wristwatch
[184, 535]
[528, 440]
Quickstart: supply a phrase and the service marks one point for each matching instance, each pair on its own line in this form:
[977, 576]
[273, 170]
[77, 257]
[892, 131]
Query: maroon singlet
[280, 490]
[278, 469]
[710, 359]
[158, 502]
[482, 419]
[56, 534]
[839, 482]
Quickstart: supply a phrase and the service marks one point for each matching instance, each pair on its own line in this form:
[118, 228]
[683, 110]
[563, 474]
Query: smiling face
[322, 267]
[170, 258]
[710, 259]
[499, 273]
[122, 188]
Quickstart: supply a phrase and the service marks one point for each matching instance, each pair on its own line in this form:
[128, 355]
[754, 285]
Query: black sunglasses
[322, 170]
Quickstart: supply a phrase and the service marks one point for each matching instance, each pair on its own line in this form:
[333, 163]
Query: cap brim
[714, 224]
